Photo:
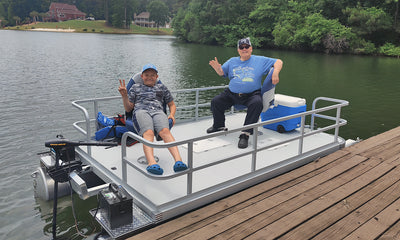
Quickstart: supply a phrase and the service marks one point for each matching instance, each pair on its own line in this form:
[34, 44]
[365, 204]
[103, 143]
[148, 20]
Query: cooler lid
[289, 101]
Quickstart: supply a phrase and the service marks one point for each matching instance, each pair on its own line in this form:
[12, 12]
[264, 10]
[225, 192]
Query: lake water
[42, 72]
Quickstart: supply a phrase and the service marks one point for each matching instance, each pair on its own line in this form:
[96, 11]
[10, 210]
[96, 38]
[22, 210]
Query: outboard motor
[65, 163]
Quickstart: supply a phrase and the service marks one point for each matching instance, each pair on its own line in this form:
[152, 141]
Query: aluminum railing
[95, 101]
[190, 142]
[314, 113]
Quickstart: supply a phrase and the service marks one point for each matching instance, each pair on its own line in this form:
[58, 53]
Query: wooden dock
[353, 193]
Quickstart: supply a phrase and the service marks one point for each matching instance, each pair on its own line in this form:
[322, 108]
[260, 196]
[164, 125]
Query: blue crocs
[179, 166]
[155, 169]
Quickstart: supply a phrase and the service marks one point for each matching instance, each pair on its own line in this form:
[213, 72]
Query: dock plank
[351, 211]
[353, 193]
[378, 224]
[295, 218]
[270, 207]
[218, 209]
[243, 230]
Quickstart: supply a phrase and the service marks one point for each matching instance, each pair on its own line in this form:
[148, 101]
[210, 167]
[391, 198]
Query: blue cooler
[284, 106]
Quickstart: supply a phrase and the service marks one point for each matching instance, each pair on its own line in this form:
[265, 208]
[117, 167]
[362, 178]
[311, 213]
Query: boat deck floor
[204, 152]
[353, 193]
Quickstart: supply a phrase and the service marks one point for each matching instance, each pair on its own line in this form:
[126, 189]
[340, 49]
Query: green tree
[121, 12]
[117, 13]
[44, 6]
[159, 12]
[34, 16]
[3, 12]
[288, 24]
[94, 7]
[332, 9]
[396, 14]
[177, 24]
[265, 16]
[390, 50]
[365, 21]
[213, 22]
[313, 32]
[43, 15]
[326, 34]
[106, 11]
[370, 23]
[17, 20]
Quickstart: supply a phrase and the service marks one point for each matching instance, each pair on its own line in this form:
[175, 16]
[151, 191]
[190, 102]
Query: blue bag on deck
[110, 132]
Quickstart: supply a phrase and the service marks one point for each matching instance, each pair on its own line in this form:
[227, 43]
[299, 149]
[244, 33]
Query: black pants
[225, 100]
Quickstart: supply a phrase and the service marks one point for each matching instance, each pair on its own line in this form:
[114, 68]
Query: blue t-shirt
[246, 76]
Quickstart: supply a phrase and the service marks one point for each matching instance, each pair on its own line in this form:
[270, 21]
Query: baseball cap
[149, 66]
[244, 41]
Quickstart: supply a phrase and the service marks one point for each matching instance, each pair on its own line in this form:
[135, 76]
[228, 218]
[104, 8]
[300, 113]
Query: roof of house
[66, 8]
[143, 15]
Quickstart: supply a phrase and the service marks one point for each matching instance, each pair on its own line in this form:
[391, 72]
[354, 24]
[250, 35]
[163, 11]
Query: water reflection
[66, 228]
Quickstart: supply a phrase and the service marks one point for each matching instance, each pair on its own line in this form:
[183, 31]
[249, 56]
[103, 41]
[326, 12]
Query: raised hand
[217, 66]
[122, 88]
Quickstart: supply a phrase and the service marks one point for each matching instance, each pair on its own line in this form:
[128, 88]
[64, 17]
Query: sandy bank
[53, 30]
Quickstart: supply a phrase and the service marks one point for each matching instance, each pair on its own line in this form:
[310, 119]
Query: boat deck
[216, 166]
[353, 193]
[169, 187]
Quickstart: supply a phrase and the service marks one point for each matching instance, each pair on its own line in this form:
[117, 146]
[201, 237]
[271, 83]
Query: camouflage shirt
[149, 98]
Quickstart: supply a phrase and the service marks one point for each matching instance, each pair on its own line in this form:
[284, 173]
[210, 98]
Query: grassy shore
[98, 26]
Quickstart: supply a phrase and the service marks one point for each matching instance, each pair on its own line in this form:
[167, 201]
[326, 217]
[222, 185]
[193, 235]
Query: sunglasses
[241, 47]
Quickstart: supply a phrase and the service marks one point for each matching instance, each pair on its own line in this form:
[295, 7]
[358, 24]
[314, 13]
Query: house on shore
[61, 12]
[143, 20]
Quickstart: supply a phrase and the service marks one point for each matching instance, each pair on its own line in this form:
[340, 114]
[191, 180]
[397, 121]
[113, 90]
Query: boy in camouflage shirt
[146, 101]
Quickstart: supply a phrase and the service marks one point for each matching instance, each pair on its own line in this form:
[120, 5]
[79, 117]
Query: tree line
[332, 26]
[118, 13]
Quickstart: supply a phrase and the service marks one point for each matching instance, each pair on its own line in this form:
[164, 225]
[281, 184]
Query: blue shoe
[155, 169]
[179, 166]
[104, 121]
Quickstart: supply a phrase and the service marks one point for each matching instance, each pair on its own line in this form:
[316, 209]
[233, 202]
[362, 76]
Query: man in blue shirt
[245, 74]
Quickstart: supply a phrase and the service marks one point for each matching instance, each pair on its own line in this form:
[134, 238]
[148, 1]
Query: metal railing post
[254, 155]
[338, 110]
[123, 154]
[301, 140]
[196, 116]
[190, 166]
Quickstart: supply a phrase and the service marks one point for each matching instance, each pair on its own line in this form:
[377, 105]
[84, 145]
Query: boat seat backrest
[136, 78]
[267, 93]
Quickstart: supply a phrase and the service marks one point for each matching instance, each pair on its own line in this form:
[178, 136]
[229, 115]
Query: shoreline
[52, 30]
[80, 26]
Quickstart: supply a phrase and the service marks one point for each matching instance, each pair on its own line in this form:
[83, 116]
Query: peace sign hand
[122, 89]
